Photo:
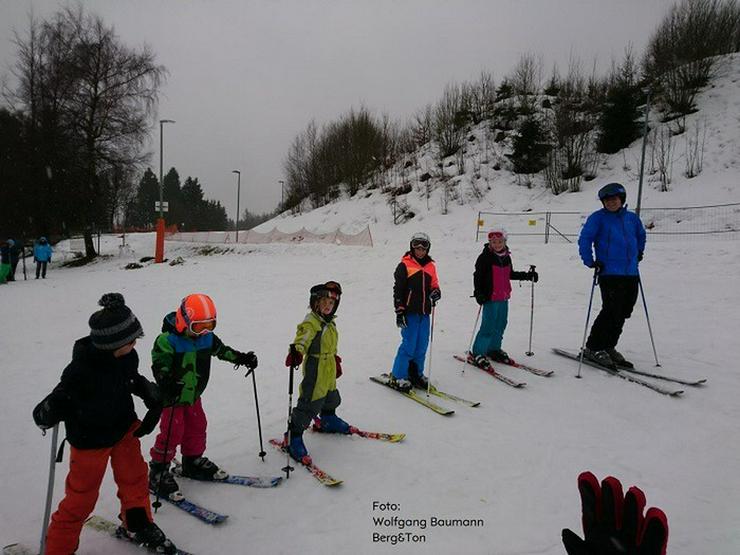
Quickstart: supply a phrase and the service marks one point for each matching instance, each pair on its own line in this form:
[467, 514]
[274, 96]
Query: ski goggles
[201, 327]
[420, 244]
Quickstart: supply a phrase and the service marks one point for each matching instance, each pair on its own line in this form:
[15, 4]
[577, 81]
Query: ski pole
[647, 317]
[288, 468]
[529, 352]
[49, 487]
[588, 317]
[431, 342]
[259, 422]
[472, 335]
[157, 504]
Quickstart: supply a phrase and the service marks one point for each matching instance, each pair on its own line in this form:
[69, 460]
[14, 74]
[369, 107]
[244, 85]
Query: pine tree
[530, 147]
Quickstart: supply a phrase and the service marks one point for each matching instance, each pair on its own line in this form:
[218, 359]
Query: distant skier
[415, 291]
[617, 237]
[316, 343]
[42, 256]
[492, 290]
[5, 264]
[181, 362]
[94, 400]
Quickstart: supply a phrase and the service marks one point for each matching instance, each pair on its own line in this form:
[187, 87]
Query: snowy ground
[512, 462]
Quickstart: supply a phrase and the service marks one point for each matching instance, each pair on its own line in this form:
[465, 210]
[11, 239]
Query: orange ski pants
[86, 471]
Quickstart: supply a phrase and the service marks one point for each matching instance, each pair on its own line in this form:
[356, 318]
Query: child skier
[94, 400]
[492, 289]
[316, 346]
[415, 292]
[181, 362]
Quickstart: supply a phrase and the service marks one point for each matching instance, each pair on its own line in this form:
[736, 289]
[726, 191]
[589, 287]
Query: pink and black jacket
[493, 275]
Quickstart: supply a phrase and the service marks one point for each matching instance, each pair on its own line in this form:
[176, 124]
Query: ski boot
[403, 385]
[141, 531]
[481, 361]
[499, 356]
[619, 359]
[161, 480]
[416, 378]
[201, 468]
[601, 358]
[296, 448]
[330, 423]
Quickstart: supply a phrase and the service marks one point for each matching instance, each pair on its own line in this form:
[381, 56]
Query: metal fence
[719, 221]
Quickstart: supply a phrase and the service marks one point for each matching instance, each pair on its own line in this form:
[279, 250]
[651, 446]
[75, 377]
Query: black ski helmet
[330, 289]
[613, 190]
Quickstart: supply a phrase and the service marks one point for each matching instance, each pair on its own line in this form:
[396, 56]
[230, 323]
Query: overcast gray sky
[245, 77]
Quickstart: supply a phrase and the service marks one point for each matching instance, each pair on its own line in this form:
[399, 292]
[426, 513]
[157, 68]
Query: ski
[308, 464]
[619, 373]
[250, 481]
[694, 383]
[101, 524]
[381, 436]
[201, 513]
[526, 367]
[19, 549]
[444, 395]
[384, 379]
[507, 380]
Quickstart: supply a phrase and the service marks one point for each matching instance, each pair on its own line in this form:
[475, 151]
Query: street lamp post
[159, 248]
[282, 192]
[238, 192]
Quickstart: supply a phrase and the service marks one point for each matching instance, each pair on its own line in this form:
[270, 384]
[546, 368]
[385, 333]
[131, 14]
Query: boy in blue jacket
[612, 242]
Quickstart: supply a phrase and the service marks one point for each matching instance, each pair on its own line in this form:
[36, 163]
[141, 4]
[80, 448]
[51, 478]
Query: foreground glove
[481, 299]
[151, 418]
[150, 394]
[246, 359]
[614, 524]
[532, 275]
[597, 265]
[338, 362]
[293, 359]
[50, 411]
[640, 256]
[401, 319]
[435, 295]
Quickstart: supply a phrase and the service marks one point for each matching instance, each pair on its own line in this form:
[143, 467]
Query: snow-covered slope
[512, 462]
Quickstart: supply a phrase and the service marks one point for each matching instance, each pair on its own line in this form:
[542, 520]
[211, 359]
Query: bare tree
[695, 141]
[100, 93]
[526, 81]
[448, 128]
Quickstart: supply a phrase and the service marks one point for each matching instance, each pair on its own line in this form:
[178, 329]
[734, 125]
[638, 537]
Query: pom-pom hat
[114, 325]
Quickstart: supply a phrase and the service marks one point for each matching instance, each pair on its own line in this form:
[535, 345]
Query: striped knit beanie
[114, 325]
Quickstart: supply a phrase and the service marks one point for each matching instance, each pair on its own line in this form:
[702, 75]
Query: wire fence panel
[720, 221]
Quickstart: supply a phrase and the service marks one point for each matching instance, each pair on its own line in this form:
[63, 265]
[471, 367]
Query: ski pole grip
[293, 353]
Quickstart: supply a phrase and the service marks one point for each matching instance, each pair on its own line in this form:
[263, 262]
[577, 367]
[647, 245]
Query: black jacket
[413, 281]
[483, 275]
[94, 397]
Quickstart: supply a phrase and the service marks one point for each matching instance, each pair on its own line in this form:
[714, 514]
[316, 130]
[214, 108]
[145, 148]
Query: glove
[640, 256]
[401, 319]
[293, 359]
[532, 275]
[50, 411]
[338, 362]
[246, 359]
[151, 418]
[435, 295]
[597, 265]
[149, 393]
[614, 524]
[480, 299]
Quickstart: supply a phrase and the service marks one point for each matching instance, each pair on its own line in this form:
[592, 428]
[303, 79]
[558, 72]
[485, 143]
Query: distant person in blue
[612, 242]
[42, 255]
[5, 260]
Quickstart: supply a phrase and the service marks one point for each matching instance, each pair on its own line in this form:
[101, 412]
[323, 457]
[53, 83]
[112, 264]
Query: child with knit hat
[94, 399]
[492, 289]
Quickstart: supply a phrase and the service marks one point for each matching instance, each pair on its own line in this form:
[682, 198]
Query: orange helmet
[197, 313]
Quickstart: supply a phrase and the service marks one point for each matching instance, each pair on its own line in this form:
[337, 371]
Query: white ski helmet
[420, 238]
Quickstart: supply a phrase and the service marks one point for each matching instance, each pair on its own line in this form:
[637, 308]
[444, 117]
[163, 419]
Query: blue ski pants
[491, 332]
[414, 343]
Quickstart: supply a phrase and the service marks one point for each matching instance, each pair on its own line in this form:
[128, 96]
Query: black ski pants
[40, 269]
[618, 297]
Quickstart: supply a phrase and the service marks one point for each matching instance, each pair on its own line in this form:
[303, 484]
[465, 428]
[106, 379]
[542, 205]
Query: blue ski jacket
[616, 239]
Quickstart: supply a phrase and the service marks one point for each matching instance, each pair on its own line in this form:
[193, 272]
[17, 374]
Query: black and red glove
[293, 359]
[338, 362]
[614, 524]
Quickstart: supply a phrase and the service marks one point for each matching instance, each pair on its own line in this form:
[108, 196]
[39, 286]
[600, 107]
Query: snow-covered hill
[512, 462]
